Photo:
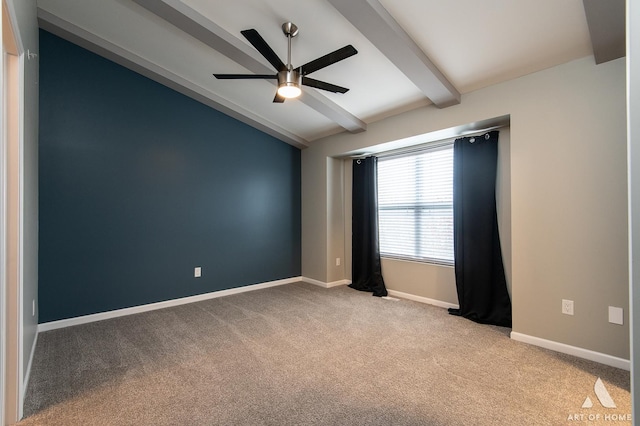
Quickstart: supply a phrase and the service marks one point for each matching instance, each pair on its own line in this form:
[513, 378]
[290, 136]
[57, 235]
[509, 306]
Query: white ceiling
[472, 43]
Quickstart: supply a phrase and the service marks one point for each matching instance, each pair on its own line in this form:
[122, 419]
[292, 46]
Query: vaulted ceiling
[410, 52]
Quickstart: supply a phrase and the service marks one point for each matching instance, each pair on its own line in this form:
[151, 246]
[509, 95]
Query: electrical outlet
[197, 271]
[616, 315]
[567, 307]
[337, 261]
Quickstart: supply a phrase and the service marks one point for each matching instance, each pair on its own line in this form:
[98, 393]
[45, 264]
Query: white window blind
[415, 205]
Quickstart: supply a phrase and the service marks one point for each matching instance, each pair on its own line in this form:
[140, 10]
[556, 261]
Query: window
[415, 205]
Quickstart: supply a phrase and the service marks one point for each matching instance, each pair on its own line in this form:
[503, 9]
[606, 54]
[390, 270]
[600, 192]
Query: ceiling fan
[290, 79]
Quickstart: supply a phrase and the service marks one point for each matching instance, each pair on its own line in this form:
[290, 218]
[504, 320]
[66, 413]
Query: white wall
[568, 195]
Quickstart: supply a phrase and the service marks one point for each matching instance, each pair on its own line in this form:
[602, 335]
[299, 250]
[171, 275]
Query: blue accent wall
[140, 184]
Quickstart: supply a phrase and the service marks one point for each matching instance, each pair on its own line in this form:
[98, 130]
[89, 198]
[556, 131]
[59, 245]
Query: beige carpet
[303, 355]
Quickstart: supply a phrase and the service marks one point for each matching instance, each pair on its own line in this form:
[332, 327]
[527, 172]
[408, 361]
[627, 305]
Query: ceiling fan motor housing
[289, 78]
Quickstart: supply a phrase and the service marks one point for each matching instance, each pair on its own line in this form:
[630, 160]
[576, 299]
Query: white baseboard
[53, 325]
[325, 285]
[421, 299]
[605, 359]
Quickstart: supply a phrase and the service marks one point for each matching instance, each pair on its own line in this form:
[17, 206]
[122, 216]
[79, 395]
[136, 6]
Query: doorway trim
[11, 227]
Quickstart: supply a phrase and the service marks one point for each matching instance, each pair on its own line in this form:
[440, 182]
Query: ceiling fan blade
[318, 84]
[265, 50]
[244, 76]
[328, 59]
[278, 99]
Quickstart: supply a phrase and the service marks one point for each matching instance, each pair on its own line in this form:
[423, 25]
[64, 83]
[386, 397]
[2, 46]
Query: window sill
[431, 262]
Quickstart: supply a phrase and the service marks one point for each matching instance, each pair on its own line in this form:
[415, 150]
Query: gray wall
[336, 220]
[568, 195]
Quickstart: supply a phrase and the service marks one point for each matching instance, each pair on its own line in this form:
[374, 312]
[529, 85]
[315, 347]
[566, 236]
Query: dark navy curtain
[366, 270]
[480, 278]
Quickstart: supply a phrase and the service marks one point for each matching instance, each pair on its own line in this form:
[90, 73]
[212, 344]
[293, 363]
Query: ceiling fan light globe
[289, 90]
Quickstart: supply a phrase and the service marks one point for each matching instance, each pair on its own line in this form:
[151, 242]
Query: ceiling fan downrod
[290, 30]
